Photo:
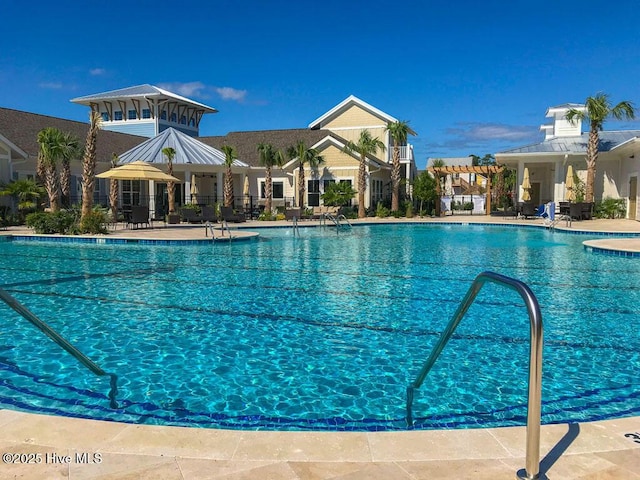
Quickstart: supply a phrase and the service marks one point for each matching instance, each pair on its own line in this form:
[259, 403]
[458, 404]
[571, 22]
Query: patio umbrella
[526, 186]
[570, 186]
[138, 170]
[194, 189]
[246, 192]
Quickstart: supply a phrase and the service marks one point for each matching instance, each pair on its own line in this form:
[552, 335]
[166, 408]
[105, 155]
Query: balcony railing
[406, 153]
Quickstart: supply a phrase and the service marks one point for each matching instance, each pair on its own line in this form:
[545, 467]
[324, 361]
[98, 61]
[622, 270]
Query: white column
[152, 198]
[187, 186]
[219, 186]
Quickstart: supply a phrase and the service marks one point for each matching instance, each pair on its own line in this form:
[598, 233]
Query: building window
[146, 113]
[105, 116]
[376, 192]
[163, 115]
[117, 115]
[174, 117]
[277, 190]
[131, 192]
[313, 193]
[132, 115]
[192, 122]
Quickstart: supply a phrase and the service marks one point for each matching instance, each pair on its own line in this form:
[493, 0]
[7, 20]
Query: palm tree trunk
[113, 198]
[439, 195]
[301, 188]
[171, 196]
[52, 187]
[89, 165]
[268, 192]
[228, 188]
[395, 179]
[65, 182]
[592, 157]
[362, 185]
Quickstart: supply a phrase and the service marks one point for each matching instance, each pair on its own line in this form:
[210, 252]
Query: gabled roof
[576, 144]
[140, 91]
[340, 143]
[21, 130]
[246, 143]
[344, 106]
[188, 151]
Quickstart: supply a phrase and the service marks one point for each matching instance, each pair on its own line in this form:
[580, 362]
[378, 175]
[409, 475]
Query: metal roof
[143, 91]
[188, 151]
[577, 144]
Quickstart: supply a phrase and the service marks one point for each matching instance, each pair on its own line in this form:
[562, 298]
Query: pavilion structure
[486, 170]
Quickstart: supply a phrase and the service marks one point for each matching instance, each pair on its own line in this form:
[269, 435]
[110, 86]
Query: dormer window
[105, 116]
[163, 115]
[183, 120]
[174, 117]
[132, 115]
[146, 113]
[117, 115]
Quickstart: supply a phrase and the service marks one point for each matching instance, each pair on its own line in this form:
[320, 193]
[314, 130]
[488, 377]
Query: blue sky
[470, 77]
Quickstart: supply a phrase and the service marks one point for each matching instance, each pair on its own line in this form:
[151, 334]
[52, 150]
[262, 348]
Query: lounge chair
[228, 215]
[209, 214]
[139, 216]
[291, 213]
[575, 211]
[190, 215]
[528, 210]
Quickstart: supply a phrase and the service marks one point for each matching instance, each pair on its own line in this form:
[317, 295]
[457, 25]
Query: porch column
[219, 186]
[187, 186]
[152, 198]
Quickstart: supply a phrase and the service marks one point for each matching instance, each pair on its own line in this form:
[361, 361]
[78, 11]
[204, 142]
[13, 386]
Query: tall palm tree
[113, 189]
[438, 163]
[269, 157]
[598, 109]
[170, 153]
[366, 145]
[399, 131]
[305, 156]
[229, 157]
[50, 140]
[70, 151]
[89, 164]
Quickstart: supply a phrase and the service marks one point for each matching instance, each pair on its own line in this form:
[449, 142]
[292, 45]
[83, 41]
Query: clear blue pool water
[321, 332]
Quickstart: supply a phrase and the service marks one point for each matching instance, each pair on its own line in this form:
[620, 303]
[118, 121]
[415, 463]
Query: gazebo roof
[188, 151]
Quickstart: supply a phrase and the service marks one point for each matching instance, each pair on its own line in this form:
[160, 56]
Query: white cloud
[228, 93]
[473, 131]
[97, 71]
[51, 85]
[188, 89]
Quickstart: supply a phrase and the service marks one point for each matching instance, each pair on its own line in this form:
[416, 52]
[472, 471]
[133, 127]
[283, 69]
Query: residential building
[564, 145]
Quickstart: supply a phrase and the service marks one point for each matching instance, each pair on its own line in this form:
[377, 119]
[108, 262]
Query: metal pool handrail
[56, 337]
[532, 469]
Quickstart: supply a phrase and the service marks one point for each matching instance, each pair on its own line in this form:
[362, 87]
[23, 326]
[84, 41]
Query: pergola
[486, 170]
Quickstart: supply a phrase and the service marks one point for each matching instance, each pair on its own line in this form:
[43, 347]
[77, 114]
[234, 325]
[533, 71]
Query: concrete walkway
[41, 446]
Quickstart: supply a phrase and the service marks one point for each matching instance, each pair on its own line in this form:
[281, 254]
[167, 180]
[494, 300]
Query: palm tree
[25, 192]
[305, 156]
[229, 157]
[269, 157]
[399, 132]
[70, 151]
[113, 189]
[438, 163]
[89, 164]
[598, 109]
[366, 145]
[170, 154]
[50, 140]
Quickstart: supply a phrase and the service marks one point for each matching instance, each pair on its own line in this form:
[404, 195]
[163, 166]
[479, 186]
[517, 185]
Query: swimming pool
[321, 332]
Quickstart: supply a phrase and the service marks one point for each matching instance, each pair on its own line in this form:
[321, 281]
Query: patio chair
[528, 210]
[190, 215]
[228, 215]
[586, 210]
[291, 213]
[139, 216]
[575, 211]
[209, 214]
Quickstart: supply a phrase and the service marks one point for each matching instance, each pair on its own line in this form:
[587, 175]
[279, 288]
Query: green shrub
[409, 213]
[382, 211]
[611, 208]
[267, 217]
[61, 222]
[95, 222]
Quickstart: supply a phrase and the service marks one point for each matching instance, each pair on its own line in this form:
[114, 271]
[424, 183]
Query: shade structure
[138, 170]
[526, 186]
[570, 195]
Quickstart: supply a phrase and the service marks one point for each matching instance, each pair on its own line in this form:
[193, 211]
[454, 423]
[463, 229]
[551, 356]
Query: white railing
[406, 152]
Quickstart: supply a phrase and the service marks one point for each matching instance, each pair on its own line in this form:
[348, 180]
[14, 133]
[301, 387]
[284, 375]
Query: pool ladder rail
[208, 228]
[62, 342]
[335, 220]
[532, 469]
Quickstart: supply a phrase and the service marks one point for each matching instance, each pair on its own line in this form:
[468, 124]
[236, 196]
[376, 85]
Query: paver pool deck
[89, 449]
